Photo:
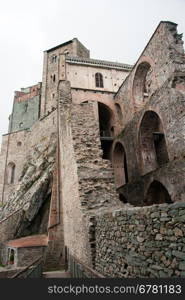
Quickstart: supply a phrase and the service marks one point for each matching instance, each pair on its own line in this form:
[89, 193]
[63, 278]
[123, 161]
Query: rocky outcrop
[33, 193]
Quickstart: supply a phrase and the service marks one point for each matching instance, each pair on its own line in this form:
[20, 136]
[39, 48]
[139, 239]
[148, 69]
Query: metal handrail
[31, 267]
[85, 268]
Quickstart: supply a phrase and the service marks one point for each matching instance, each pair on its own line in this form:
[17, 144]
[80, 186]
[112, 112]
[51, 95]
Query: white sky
[115, 30]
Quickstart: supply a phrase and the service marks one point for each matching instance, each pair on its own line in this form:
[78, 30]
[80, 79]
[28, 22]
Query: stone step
[56, 274]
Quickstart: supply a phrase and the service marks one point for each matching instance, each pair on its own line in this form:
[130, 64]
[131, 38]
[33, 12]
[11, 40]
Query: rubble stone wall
[141, 242]
[87, 182]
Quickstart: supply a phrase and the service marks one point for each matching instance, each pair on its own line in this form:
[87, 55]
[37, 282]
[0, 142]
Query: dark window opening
[12, 174]
[54, 58]
[25, 107]
[106, 129]
[112, 131]
[54, 78]
[105, 117]
[66, 52]
[157, 194]
[99, 80]
[84, 102]
[106, 147]
[12, 257]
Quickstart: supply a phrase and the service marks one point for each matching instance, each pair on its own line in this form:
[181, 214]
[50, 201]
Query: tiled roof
[97, 62]
[29, 241]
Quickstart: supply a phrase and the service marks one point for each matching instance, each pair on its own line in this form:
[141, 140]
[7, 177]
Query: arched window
[142, 82]
[120, 165]
[99, 80]
[10, 176]
[11, 259]
[157, 194]
[152, 143]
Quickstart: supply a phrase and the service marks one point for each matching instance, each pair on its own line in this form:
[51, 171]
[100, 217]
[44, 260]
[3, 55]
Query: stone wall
[70, 201]
[169, 104]
[25, 256]
[87, 182]
[33, 190]
[54, 69]
[141, 242]
[171, 176]
[12, 151]
[83, 76]
[26, 109]
[8, 227]
[35, 139]
[165, 54]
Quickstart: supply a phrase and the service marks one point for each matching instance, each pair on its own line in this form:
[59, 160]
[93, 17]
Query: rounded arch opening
[157, 194]
[152, 142]
[11, 258]
[120, 165]
[142, 82]
[106, 126]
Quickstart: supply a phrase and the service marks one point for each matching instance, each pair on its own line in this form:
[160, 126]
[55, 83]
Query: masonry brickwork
[94, 159]
[141, 242]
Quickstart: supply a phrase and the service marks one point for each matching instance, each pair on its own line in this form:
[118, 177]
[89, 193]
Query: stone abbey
[92, 168]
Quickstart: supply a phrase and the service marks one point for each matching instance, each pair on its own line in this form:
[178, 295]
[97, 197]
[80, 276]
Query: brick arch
[157, 194]
[119, 161]
[152, 143]
[142, 80]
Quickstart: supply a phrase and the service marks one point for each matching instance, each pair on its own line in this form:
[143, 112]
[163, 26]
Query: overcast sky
[115, 30]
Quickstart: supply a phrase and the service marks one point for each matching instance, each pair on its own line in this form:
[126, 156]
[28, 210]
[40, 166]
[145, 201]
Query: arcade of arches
[153, 152]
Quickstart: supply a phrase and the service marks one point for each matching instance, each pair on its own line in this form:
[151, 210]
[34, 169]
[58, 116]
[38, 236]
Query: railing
[34, 270]
[105, 133]
[78, 269]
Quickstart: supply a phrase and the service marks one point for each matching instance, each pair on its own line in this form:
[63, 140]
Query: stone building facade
[87, 149]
